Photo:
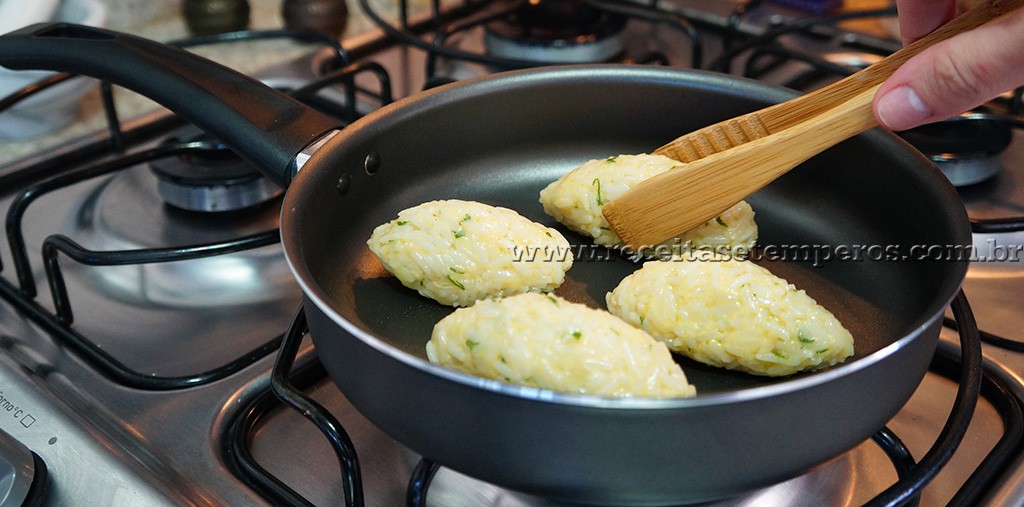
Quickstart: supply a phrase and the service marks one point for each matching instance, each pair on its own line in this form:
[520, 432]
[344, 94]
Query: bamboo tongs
[728, 161]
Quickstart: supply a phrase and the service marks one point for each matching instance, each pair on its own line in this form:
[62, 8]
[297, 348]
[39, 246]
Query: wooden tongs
[728, 161]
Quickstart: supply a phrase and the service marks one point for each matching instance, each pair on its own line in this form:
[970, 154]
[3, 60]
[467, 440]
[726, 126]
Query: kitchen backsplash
[129, 15]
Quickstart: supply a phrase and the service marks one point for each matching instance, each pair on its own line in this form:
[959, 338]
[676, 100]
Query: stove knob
[327, 16]
[204, 17]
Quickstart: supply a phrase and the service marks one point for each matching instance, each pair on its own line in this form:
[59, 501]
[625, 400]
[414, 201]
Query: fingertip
[901, 108]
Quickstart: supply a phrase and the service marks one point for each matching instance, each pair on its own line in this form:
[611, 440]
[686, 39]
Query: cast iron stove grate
[963, 365]
[52, 174]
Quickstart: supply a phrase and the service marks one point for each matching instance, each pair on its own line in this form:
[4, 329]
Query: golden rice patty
[731, 313]
[457, 252]
[576, 199]
[547, 342]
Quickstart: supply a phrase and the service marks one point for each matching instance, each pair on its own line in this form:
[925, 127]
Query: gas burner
[966, 148]
[211, 180]
[556, 31]
[118, 214]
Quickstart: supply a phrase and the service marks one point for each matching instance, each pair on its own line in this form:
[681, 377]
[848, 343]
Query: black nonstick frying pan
[499, 140]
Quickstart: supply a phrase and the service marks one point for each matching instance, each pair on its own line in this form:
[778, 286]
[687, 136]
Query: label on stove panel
[14, 410]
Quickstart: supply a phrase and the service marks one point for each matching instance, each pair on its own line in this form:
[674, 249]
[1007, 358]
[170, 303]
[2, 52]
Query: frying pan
[501, 139]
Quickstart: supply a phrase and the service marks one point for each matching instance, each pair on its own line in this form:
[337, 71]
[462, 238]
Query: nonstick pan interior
[503, 148]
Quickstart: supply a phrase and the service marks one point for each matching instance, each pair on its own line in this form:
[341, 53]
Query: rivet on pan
[372, 163]
[344, 183]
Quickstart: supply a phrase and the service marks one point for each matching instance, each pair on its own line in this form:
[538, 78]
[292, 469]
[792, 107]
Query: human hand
[952, 76]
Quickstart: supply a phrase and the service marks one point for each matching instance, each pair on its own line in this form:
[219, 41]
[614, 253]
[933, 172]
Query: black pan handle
[264, 126]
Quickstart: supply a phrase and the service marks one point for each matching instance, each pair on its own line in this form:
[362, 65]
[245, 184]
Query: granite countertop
[162, 21]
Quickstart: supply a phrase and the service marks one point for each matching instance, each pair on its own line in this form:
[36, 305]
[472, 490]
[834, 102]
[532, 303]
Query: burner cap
[556, 31]
[210, 180]
[966, 148]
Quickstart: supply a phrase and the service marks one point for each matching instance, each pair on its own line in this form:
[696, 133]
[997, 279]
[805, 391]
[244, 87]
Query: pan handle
[266, 127]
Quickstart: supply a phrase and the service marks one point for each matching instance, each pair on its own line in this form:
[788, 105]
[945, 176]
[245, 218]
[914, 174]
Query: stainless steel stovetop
[185, 407]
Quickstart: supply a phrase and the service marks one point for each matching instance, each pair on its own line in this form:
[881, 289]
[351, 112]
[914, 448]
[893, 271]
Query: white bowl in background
[57, 106]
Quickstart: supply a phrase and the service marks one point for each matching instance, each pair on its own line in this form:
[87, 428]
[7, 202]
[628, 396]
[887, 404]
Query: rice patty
[547, 342]
[731, 313]
[457, 252]
[576, 199]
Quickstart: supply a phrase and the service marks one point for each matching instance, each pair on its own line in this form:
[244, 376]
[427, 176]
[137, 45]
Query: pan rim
[475, 86]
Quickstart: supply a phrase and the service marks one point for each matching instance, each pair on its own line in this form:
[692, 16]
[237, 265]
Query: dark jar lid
[327, 16]
[205, 17]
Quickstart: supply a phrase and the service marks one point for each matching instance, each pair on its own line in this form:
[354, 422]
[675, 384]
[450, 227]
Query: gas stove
[154, 352]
